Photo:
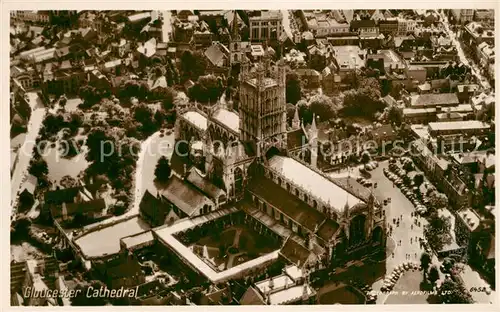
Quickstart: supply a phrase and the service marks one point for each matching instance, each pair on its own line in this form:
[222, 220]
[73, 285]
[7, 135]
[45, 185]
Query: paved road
[25, 153]
[151, 150]
[474, 68]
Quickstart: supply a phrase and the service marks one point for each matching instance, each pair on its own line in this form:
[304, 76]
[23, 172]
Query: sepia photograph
[252, 157]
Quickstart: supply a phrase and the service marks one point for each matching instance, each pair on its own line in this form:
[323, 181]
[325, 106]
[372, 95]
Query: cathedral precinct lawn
[233, 246]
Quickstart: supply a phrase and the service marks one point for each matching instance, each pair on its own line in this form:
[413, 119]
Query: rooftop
[165, 235]
[469, 218]
[434, 99]
[316, 185]
[228, 118]
[197, 119]
[458, 125]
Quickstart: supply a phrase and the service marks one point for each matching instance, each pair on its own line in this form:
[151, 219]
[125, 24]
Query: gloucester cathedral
[256, 161]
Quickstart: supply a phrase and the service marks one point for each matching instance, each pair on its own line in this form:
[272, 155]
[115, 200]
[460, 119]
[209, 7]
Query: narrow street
[25, 153]
[474, 68]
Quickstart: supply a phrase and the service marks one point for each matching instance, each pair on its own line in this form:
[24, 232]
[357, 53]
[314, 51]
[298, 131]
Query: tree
[364, 101]
[438, 200]
[437, 231]
[395, 115]
[451, 292]
[323, 107]
[38, 167]
[193, 65]
[293, 88]
[163, 170]
[433, 275]
[206, 89]
[141, 112]
[365, 157]
[425, 261]
[89, 95]
[418, 179]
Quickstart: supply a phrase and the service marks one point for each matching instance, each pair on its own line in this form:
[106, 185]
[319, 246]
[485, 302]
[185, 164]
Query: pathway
[236, 240]
[25, 153]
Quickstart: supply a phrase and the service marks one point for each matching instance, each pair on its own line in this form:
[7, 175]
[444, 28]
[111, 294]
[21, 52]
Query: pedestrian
[411, 240]
[399, 242]
[415, 255]
[411, 227]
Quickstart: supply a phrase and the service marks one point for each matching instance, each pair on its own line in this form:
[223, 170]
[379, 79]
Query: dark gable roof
[154, 208]
[251, 297]
[58, 197]
[356, 24]
[328, 230]
[96, 205]
[184, 196]
[289, 204]
[294, 138]
[295, 252]
[203, 184]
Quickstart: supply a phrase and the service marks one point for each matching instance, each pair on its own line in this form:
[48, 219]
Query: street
[475, 70]
[25, 153]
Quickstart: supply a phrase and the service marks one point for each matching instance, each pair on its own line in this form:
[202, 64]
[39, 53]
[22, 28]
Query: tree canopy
[163, 170]
[293, 88]
[437, 231]
[207, 89]
[193, 65]
[451, 292]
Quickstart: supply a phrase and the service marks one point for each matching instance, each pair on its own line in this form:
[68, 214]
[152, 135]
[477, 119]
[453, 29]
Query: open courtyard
[232, 246]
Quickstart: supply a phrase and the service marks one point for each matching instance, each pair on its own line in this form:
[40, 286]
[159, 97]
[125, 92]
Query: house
[124, 271]
[27, 191]
[310, 77]
[217, 55]
[66, 204]
[180, 198]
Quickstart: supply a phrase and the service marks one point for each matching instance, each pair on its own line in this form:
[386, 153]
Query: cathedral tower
[262, 108]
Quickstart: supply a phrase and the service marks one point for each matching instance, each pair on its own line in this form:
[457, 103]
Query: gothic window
[279, 181]
[288, 187]
[315, 204]
[297, 192]
[306, 198]
[357, 230]
[236, 57]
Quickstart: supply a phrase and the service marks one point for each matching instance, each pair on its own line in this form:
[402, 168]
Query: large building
[463, 15]
[267, 26]
[257, 160]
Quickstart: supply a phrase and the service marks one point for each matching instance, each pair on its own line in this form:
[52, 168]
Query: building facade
[267, 26]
